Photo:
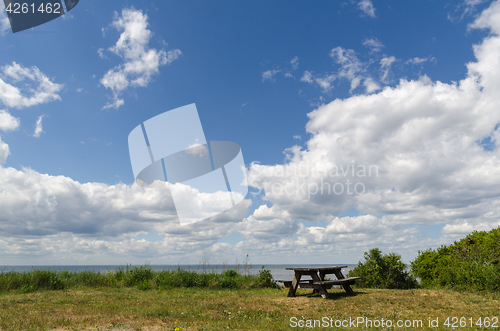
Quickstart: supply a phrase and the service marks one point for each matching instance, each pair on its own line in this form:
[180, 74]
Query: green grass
[207, 309]
[141, 277]
[142, 299]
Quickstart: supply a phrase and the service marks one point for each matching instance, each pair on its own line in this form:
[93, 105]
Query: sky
[362, 124]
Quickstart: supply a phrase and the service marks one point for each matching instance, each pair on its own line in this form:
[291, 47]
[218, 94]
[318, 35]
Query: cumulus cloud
[8, 122]
[370, 85]
[366, 6]
[38, 127]
[38, 204]
[4, 151]
[424, 142]
[12, 96]
[140, 61]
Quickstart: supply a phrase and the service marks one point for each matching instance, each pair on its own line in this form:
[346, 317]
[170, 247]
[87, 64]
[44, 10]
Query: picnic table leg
[346, 287]
[320, 288]
[295, 284]
[321, 277]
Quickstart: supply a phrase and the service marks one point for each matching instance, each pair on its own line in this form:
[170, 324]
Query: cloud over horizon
[377, 168]
[428, 140]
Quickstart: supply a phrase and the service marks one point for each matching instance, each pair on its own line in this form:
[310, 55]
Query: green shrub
[468, 264]
[383, 271]
[230, 273]
[144, 285]
[265, 279]
[26, 289]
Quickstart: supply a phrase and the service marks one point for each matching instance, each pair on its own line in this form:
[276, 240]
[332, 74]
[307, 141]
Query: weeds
[143, 277]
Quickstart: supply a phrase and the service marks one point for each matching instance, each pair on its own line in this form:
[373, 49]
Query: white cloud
[325, 82]
[307, 77]
[269, 75]
[366, 6]
[350, 66]
[385, 67]
[370, 85]
[12, 96]
[295, 63]
[4, 23]
[140, 61]
[287, 73]
[464, 8]
[374, 44]
[4, 151]
[100, 51]
[38, 127]
[423, 136]
[38, 205]
[8, 122]
[420, 60]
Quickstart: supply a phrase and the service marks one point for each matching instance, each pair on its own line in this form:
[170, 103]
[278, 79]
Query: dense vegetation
[383, 271]
[141, 277]
[471, 263]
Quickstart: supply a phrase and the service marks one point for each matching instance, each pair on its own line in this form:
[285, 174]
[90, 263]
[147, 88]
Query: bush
[383, 271]
[265, 279]
[468, 264]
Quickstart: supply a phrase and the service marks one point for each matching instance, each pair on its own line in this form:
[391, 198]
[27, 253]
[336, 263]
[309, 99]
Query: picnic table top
[318, 269]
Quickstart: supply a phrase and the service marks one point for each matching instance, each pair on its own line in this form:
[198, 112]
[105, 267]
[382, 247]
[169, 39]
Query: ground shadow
[331, 295]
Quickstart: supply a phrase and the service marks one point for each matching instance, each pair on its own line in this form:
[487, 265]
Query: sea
[277, 270]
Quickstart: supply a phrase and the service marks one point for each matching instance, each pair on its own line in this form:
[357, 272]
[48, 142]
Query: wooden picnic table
[317, 281]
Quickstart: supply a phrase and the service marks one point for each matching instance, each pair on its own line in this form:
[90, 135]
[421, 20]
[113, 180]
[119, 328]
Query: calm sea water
[277, 270]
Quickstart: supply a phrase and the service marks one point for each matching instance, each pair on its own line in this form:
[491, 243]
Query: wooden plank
[295, 283]
[320, 288]
[350, 280]
[318, 269]
[346, 286]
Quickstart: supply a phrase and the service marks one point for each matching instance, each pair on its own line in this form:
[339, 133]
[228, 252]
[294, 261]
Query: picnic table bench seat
[325, 283]
[350, 281]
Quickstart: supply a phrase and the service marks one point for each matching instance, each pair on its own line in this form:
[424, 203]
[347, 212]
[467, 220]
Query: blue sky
[305, 84]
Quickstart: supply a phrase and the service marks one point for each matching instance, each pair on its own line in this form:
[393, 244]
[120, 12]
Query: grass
[141, 277]
[108, 308]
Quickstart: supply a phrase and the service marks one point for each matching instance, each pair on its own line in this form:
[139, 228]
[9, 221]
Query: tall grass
[142, 277]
